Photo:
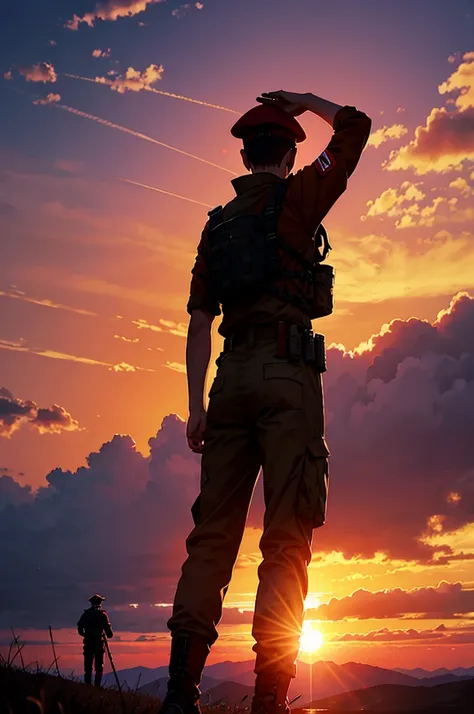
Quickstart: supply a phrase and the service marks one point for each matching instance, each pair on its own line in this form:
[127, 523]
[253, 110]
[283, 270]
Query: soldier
[259, 260]
[92, 626]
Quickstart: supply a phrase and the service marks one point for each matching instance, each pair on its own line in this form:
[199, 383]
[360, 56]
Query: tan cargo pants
[263, 412]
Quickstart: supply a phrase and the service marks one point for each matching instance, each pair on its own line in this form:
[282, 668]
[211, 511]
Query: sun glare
[311, 639]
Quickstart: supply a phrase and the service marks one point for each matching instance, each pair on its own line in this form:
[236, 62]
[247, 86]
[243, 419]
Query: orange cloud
[110, 10]
[460, 184]
[98, 54]
[52, 354]
[439, 635]
[127, 339]
[386, 133]
[180, 329]
[447, 600]
[176, 367]
[18, 295]
[48, 99]
[41, 72]
[447, 139]
[133, 79]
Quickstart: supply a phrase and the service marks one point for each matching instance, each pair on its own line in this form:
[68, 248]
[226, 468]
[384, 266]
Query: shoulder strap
[215, 217]
[271, 215]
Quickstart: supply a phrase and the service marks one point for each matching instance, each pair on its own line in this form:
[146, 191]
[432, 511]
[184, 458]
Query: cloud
[8, 75]
[438, 635]
[399, 425]
[134, 80]
[15, 412]
[391, 200]
[447, 139]
[48, 99]
[41, 72]
[45, 302]
[446, 600]
[98, 54]
[404, 204]
[460, 184]
[110, 10]
[12, 493]
[398, 413]
[116, 524]
[52, 354]
[179, 329]
[127, 339]
[176, 367]
[184, 9]
[386, 133]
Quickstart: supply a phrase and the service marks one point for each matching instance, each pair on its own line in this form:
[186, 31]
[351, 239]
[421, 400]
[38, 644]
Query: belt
[293, 342]
[259, 333]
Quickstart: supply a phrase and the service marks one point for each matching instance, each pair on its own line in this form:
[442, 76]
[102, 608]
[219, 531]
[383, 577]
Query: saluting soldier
[93, 624]
[260, 261]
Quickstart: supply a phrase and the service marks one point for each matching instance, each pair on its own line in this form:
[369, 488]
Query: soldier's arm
[80, 626]
[202, 307]
[315, 189]
[107, 626]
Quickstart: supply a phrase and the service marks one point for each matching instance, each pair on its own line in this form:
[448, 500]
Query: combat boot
[188, 657]
[270, 697]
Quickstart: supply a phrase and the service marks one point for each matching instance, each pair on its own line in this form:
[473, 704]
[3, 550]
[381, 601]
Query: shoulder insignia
[325, 162]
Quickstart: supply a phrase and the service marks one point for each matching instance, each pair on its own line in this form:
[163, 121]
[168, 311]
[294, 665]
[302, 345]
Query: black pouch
[320, 353]
[322, 289]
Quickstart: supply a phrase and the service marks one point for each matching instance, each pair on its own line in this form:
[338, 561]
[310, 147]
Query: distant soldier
[92, 626]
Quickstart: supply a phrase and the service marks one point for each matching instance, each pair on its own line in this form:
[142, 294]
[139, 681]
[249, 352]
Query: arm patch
[325, 162]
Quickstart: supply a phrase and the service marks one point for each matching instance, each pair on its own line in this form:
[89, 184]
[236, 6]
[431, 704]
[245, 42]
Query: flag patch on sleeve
[325, 162]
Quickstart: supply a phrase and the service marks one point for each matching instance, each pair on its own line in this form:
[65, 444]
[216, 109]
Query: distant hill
[429, 674]
[135, 676]
[455, 697]
[157, 687]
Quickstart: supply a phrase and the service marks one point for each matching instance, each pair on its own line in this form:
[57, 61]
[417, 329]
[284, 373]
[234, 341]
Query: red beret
[264, 114]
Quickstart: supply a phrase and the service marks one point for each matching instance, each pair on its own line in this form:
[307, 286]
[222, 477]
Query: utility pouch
[320, 353]
[322, 302]
[308, 347]
[294, 346]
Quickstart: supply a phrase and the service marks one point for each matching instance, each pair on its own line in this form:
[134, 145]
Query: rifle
[109, 654]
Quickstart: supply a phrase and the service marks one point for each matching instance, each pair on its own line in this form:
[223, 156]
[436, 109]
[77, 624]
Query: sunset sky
[114, 144]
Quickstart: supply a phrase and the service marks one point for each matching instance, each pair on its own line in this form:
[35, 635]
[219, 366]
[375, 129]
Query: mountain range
[233, 681]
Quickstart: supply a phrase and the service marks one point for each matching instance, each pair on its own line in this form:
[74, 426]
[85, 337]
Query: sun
[311, 639]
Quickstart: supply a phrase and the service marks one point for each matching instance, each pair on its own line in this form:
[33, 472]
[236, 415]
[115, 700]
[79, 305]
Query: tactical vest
[245, 258]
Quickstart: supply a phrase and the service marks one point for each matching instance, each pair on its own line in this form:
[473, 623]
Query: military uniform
[266, 405]
[93, 624]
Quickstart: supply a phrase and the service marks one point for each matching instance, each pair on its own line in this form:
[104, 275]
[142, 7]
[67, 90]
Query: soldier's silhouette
[93, 624]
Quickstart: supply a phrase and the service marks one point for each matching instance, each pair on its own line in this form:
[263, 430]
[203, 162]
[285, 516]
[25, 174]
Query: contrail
[158, 91]
[139, 135]
[168, 193]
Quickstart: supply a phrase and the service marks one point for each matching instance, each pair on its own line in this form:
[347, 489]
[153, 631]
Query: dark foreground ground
[39, 693]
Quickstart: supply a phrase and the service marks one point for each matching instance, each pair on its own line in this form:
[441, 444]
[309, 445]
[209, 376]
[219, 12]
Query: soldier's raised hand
[291, 102]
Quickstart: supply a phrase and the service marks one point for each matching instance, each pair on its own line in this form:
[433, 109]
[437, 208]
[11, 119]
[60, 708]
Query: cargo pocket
[217, 385]
[283, 385]
[313, 494]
